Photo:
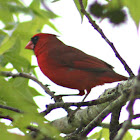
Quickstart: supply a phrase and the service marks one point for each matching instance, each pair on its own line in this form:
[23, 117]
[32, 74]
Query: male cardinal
[70, 67]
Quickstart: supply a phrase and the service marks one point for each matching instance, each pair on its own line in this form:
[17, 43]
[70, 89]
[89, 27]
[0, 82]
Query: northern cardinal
[70, 67]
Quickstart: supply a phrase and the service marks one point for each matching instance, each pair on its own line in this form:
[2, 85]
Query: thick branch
[99, 30]
[133, 97]
[114, 124]
[121, 101]
[90, 113]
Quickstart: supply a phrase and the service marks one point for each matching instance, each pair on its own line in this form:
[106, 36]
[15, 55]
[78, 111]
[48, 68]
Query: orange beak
[30, 45]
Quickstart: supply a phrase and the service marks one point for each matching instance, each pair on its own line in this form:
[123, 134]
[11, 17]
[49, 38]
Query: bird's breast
[63, 75]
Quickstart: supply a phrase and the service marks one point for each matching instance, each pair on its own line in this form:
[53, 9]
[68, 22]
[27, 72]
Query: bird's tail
[112, 77]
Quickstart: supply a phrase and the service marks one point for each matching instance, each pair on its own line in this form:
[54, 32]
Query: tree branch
[107, 98]
[114, 124]
[11, 108]
[136, 116]
[95, 122]
[133, 97]
[99, 30]
[85, 116]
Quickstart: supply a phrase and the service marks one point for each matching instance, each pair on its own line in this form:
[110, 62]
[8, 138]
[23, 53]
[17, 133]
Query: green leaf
[12, 56]
[133, 7]
[51, 132]
[9, 26]
[103, 133]
[116, 16]
[22, 32]
[5, 69]
[5, 135]
[3, 35]
[35, 5]
[127, 136]
[79, 7]
[114, 4]
[18, 40]
[16, 93]
[13, 49]
[5, 15]
[97, 9]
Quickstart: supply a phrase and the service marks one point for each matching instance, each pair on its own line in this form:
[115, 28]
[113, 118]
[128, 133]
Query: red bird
[70, 67]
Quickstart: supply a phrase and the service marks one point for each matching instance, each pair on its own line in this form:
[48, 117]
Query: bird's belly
[69, 77]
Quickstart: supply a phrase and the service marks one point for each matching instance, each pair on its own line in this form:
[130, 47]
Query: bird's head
[41, 43]
[38, 39]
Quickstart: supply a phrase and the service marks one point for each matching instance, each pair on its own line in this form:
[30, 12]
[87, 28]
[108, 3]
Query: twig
[114, 123]
[28, 76]
[99, 30]
[107, 125]
[136, 116]
[11, 108]
[34, 131]
[33, 128]
[50, 107]
[6, 117]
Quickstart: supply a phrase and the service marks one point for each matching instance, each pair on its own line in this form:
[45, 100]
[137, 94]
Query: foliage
[79, 8]
[104, 133]
[15, 92]
[113, 10]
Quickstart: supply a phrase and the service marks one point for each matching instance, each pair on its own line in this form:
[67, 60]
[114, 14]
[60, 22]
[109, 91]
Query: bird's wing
[74, 58]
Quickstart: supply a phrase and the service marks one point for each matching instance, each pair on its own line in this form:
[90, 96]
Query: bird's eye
[34, 39]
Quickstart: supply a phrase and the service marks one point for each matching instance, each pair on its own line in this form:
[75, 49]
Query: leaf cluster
[20, 22]
[115, 11]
